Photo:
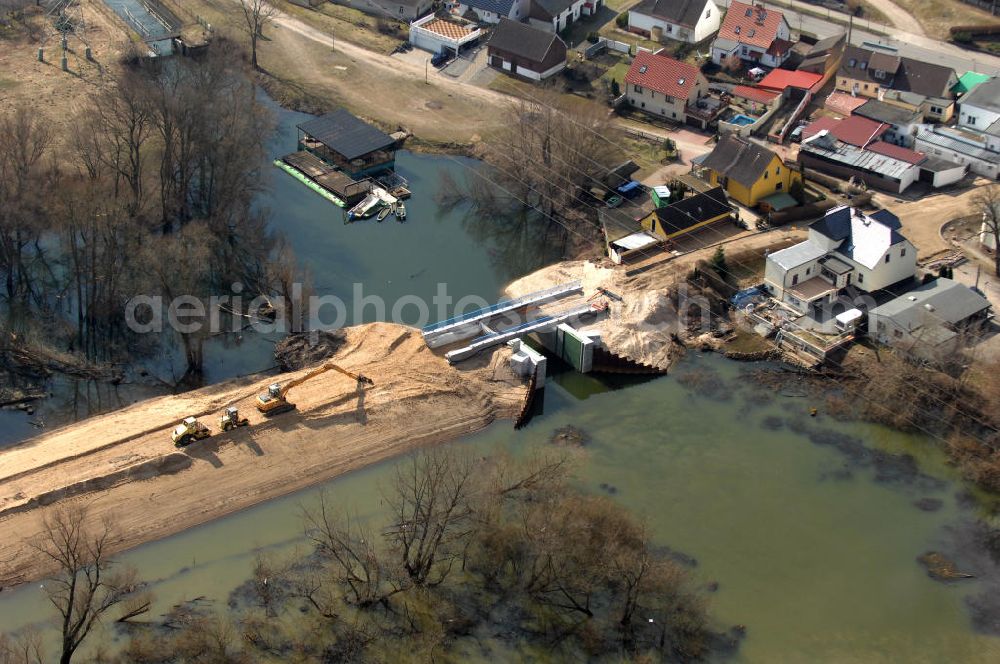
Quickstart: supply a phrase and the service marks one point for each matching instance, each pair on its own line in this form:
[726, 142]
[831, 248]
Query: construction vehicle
[188, 431]
[231, 419]
[275, 401]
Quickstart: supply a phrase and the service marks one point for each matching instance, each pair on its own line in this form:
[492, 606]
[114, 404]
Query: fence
[988, 5]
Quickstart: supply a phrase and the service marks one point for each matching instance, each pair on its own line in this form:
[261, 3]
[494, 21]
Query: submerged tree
[87, 584]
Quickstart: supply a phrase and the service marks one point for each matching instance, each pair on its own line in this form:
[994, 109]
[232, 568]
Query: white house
[846, 248]
[491, 11]
[691, 21]
[753, 33]
[555, 15]
[979, 150]
[980, 108]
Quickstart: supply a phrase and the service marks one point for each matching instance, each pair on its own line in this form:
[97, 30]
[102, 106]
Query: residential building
[404, 10]
[668, 88]
[670, 221]
[846, 248]
[902, 122]
[349, 143]
[929, 321]
[526, 51]
[491, 11]
[979, 109]
[555, 15]
[747, 171]
[979, 151]
[752, 33]
[690, 21]
[885, 75]
[824, 56]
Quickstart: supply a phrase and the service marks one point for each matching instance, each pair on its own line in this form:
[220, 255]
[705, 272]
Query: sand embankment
[125, 468]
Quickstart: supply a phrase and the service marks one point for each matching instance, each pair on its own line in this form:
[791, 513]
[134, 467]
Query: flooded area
[809, 528]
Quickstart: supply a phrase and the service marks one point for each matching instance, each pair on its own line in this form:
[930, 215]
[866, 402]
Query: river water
[809, 526]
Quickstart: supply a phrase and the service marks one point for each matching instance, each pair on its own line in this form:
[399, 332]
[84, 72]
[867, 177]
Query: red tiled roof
[759, 29]
[897, 152]
[843, 103]
[854, 130]
[779, 79]
[663, 74]
[754, 94]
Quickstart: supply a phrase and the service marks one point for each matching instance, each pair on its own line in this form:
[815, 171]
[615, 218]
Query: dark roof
[521, 39]
[681, 12]
[498, 7]
[346, 135]
[825, 45]
[937, 164]
[693, 210]
[741, 160]
[550, 8]
[899, 73]
[883, 112]
[836, 225]
[887, 218]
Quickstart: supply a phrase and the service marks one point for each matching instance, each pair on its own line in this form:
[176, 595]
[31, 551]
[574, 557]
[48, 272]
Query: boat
[384, 212]
[368, 206]
[400, 211]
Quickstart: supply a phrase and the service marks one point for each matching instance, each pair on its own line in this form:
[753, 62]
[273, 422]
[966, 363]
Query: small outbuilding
[526, 51]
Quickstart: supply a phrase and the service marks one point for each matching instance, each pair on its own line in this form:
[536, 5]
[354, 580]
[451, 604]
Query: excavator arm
[320, 370]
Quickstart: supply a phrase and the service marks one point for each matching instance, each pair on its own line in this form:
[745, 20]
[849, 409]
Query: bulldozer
[231, 419]
[188, 431]
[275, 400]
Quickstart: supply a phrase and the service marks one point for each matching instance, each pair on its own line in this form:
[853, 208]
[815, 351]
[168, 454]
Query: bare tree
[431, 504]
[257, 14]
[987, 201]
[86, 585]
[26, 648]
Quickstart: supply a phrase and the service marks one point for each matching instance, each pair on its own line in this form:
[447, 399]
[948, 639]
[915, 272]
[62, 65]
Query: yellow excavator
[275, 400]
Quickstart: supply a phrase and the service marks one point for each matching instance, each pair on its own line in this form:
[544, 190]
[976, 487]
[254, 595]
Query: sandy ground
[900, 17]
[124, 466]
[922, 219]
[60, 95]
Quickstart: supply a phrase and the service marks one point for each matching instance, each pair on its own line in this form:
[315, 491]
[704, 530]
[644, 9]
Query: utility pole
[427, 64]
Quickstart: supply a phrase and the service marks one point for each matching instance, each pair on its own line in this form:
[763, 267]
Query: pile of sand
[124, 466]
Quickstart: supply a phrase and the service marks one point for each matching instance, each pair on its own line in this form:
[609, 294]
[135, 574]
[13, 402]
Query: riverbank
[124, 467]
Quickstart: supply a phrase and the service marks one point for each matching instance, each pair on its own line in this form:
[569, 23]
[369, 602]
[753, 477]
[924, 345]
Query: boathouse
[348, 143]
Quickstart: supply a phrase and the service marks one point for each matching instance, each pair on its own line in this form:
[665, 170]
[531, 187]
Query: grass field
[936, 16]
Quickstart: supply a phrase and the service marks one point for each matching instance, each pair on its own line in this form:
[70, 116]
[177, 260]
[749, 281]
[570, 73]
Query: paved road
[919, 47]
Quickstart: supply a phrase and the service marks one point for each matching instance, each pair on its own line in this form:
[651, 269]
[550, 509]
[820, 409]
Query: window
[637, 88]
[765, 175]
[866, 86]
[737, 29]
[808, 271]
[852, 63]
[795, 279]
[708, 13]
[864, 66]
[749, 12]
[902, 252]
[752, 32]
[887, 257]
[400, 10]
[777, 171]
[643, 104]
[972, 120]
[861, 278]
[778, 186]
[879, 73]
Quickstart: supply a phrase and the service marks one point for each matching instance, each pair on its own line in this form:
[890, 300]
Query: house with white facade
[491, 11]
[980, 109]
[691, 21]
[978, 150]
[555, 15]
[846, 248]
[752, 33]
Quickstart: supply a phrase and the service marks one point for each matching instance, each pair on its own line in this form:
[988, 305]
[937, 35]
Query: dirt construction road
[124, 467]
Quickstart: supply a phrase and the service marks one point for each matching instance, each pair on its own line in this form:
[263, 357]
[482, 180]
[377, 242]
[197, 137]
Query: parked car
[440, 59]
[796, 134]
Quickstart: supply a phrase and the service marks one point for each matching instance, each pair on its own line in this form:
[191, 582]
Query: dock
[326, 180]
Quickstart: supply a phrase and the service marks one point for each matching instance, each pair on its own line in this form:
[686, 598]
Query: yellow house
[689, 214]
[748, 172]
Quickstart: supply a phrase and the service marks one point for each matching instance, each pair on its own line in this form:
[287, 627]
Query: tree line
[149, 190]
[498, 556]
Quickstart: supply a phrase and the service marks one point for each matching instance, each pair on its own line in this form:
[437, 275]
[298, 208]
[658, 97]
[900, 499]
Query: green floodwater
[813, 549]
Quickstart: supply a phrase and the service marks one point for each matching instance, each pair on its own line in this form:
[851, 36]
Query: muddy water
[808, 526]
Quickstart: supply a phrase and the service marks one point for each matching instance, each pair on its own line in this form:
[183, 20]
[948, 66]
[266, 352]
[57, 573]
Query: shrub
[616, 89]
[622, 20]
[962, 37]
[718, 261]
